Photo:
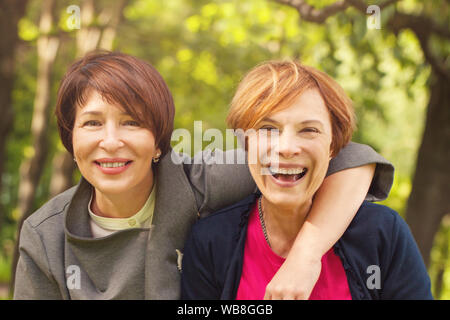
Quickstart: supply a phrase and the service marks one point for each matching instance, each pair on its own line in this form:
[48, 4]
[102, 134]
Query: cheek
[83, 144]
[77, 144]
[252, 152]
[321, 154]
[259, 151]
[255, 171]
[144, 146]
[320, 148]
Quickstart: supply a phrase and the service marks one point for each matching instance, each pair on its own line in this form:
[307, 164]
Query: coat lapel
[175, 212]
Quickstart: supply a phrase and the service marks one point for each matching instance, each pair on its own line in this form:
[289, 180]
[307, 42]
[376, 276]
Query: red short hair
[274, 85]
[132, 83]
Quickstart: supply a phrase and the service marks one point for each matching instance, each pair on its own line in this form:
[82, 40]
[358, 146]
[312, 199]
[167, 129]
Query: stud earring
[156, 159]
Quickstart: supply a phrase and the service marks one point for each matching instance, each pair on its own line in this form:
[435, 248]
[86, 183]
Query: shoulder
[42, 233]
[225, 222]
[52, 209]
[374, 218]
[373, 214]
[218, 178]
[376, 226]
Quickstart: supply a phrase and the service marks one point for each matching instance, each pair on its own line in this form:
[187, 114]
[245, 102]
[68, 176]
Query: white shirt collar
[142, 219]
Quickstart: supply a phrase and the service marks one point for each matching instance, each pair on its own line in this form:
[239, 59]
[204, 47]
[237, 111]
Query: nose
[287, 145]
[112, 139]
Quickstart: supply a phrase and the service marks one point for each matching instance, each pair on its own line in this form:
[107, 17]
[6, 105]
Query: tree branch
[421, 25]
[310, 13]
[362, 6]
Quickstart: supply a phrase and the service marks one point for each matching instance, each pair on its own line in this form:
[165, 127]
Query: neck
[283, 224]
[123, 205]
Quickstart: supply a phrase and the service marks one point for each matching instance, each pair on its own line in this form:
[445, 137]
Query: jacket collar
[175, 212]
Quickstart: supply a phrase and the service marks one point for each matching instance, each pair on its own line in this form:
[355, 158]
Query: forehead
[95, 103]
[308, 106]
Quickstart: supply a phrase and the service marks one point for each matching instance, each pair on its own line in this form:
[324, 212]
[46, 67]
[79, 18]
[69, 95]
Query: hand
[294, 281]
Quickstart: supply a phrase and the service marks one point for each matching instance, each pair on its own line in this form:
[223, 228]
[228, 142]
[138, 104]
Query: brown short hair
[125, 80]
[274, 85]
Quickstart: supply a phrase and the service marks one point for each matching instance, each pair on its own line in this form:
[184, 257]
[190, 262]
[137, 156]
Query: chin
[285, 199]
[109, 187]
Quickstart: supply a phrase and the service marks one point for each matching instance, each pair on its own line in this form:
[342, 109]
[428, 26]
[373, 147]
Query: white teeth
[112, 164]
[287, 171]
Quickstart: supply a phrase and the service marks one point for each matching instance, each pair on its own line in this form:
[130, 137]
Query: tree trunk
[10, 13]
[111, 23]
[429, 200]
[88, 38]
[63, 167]
[31, 169]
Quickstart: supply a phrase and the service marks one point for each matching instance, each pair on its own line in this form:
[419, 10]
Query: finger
[302, 295]
[276, 295]
[288, 297]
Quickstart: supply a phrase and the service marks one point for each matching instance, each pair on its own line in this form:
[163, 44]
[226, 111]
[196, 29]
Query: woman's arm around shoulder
[355, 155]
[219, 179]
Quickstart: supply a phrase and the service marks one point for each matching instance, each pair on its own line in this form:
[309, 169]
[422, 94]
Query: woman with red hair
[296, 119]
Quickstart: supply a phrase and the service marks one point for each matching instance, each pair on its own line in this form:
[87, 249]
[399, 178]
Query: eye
[132, 123]
[310, 130]
[268, 128]
[92, 123]
[268, 131]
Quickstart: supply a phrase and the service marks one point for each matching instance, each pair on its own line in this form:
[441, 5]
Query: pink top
[261, 264]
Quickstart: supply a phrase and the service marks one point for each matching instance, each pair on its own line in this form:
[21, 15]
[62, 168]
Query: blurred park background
[394, 63]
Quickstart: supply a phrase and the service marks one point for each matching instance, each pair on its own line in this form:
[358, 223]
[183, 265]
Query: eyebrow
[97, 113]
[308, 121]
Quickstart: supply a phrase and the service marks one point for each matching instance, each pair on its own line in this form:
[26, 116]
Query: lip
[286, 184]
[287, 165]
[116, 170]
[104, 160]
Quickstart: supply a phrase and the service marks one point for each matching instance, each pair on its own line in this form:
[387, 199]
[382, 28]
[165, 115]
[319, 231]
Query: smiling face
[292, 148]
[112, 150]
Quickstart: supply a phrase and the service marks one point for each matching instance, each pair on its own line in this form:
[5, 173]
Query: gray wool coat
[59, 258]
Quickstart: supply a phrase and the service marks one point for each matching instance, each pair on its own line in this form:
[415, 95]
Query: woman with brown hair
[120, 232]
[234, 253]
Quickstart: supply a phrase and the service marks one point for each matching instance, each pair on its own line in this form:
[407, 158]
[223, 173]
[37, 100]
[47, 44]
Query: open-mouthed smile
[287, 177]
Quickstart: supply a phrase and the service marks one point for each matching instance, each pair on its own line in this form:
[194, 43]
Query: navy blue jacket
[377, 236]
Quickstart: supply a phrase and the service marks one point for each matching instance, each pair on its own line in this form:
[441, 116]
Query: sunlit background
[202, 49]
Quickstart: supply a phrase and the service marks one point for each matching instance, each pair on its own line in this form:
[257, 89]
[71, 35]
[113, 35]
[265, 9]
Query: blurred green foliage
[203, 49]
